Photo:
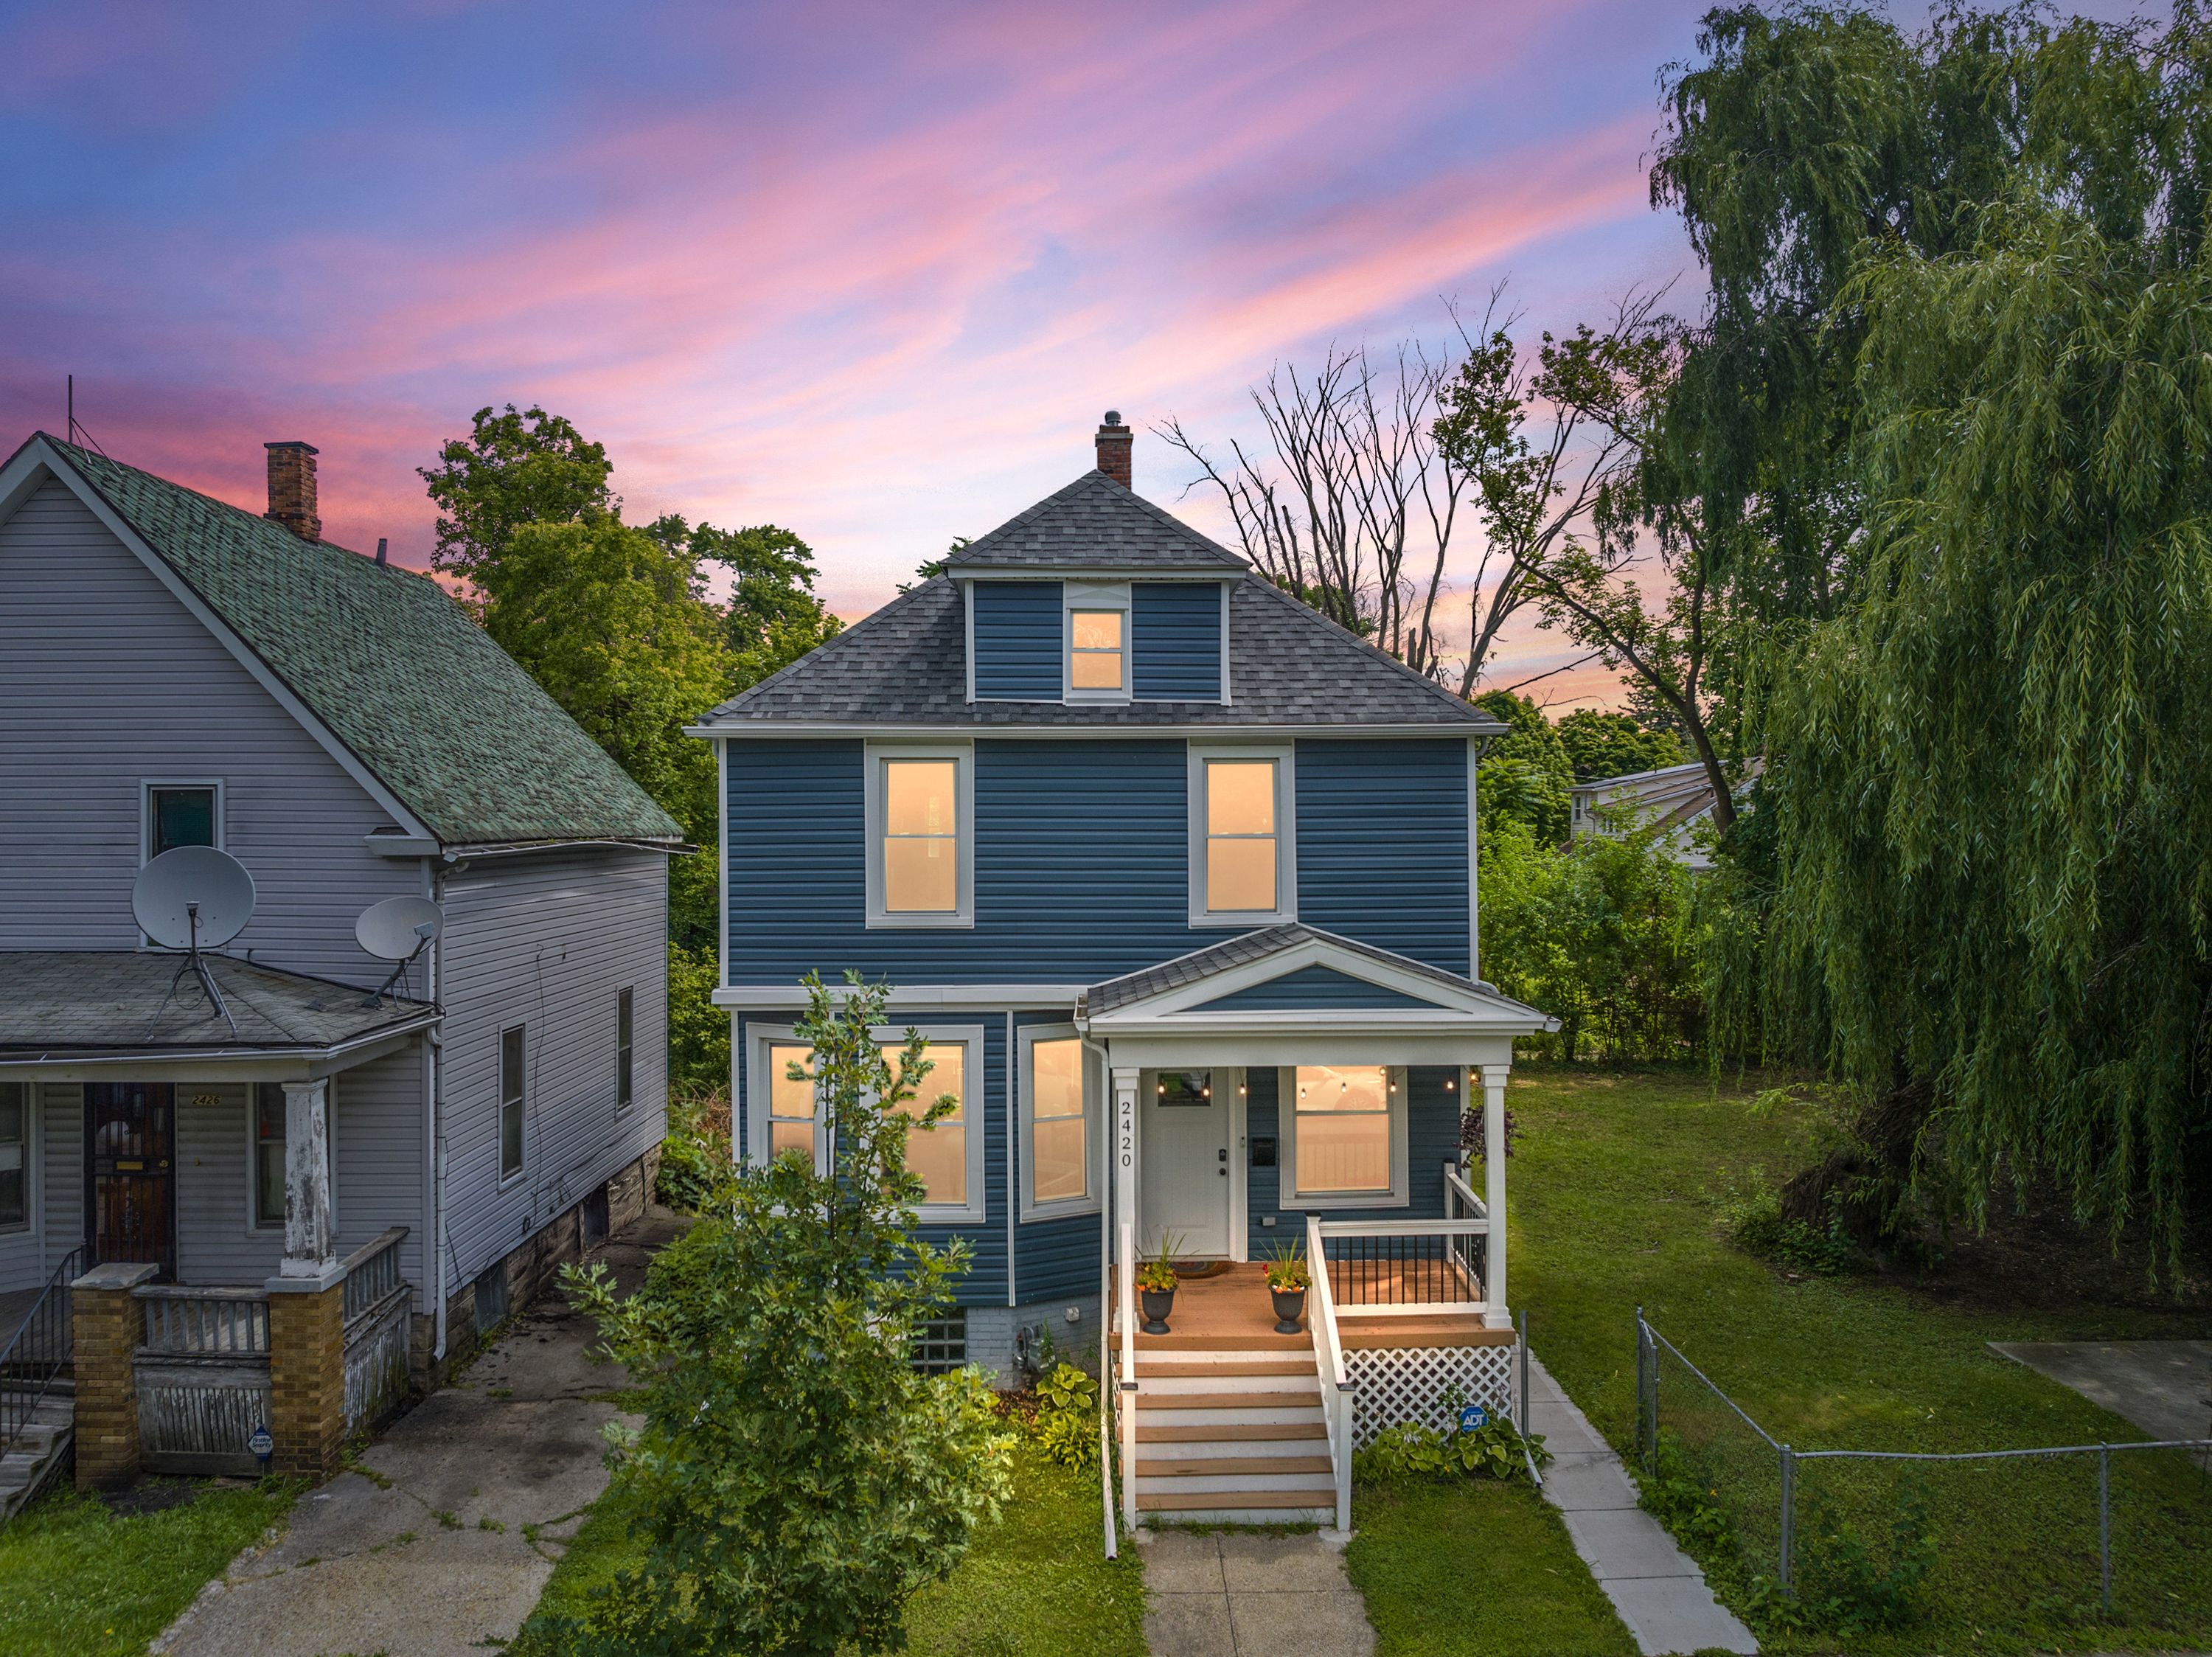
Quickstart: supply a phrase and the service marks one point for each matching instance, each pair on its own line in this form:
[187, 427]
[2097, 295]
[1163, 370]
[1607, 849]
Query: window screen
[179, 817]
[269, 1154]
[14, 1148]
[625, 1053]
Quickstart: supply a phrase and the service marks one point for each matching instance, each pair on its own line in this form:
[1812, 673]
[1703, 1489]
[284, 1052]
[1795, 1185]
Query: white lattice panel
[1394, 1385]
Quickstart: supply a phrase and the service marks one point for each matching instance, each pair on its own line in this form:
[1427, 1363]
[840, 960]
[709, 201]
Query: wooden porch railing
[1337, 1399]
[376, 1330]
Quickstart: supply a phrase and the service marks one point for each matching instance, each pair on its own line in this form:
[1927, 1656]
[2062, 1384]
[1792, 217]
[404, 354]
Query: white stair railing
[1337, 1398]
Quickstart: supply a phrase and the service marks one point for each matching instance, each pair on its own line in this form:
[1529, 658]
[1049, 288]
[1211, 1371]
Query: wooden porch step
[1286, 1400]
[1213, 1467]
[1183, 1501]
[1225, 1432]
[1169, 1367]
[1226, 1341]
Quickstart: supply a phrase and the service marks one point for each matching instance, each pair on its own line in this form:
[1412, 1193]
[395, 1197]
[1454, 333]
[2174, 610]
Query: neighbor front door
[130, 1129]
[1183, 1164]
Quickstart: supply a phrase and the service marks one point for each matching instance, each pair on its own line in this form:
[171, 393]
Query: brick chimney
[292, 488]
[1114, 443]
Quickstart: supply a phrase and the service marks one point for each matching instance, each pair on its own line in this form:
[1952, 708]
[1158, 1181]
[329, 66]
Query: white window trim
[975, 1210]
[505, 1179]
[1284, 754]
[761, 1040]
[34, 1186]
[1289, 1199]
[1094, 595]
[964, 832]
[255, 1227]
[146, 787]
[1094, 1126]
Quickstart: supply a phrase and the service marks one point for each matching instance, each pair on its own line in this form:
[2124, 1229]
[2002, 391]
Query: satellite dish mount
[192, 963]
[398, 929]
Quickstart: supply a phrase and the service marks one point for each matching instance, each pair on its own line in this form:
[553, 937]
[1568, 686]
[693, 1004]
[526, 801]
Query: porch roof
[58, 1005]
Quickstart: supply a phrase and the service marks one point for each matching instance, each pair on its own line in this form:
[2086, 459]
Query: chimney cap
[294, 442]
[1113, 417]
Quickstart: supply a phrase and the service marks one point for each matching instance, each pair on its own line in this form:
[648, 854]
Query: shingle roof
[1288, 664]
[393, 668]
[1202, 963]
[57, 1003]
[1095, 523]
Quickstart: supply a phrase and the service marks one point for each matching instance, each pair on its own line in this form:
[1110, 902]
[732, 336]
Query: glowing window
[1343, 1129]
[1059, 1151]
[1241, 840]
[938, 1152]
[921, 845]
[792, 1108]
[1096, 657]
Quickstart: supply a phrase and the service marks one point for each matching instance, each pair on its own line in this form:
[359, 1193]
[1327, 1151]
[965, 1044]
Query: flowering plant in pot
[1288, 1279]
[1156, 1286]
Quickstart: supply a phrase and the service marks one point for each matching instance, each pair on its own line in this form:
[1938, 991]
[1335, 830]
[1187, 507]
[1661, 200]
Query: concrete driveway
[2164, 1387]
[444, 1546]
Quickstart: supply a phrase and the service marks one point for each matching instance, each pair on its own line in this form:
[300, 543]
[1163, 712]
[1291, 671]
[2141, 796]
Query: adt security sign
[1473, 1418]
[261, 1444]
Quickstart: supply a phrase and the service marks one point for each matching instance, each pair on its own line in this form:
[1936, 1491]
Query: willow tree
[1993, 826]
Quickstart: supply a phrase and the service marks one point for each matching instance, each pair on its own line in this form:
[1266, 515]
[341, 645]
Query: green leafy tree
[796, 1479]
[1525, 773]
[1613, 745]
[774, 616]
[513, 469]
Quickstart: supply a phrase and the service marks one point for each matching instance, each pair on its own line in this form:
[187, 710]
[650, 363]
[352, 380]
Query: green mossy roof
[394, 667]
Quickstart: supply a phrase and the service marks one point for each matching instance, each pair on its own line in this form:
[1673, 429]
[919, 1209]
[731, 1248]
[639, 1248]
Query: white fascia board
[12, 493]
[1166, 1049]
[300, 1062]
[1324, 952]
[1132, 730]
[782, 997]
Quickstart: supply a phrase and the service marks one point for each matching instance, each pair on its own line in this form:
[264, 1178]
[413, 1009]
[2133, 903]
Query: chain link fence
[2063, 1533]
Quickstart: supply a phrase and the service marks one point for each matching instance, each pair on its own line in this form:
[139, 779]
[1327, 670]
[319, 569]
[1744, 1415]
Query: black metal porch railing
[39, 1351]
[1403, 1270]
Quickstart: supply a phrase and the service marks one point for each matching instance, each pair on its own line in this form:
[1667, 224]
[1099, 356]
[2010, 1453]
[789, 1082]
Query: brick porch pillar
[306, 1374]
[108, 1323]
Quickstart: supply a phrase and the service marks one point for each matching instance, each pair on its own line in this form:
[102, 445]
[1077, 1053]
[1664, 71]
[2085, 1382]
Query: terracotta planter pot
[1289, 1307]
[1157, 1303]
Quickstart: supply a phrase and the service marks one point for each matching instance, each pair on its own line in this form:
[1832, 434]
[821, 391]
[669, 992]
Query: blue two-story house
[1177, 878]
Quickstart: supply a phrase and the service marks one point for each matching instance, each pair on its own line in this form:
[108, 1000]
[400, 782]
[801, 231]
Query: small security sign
[261, 1444]
[1473, 1418]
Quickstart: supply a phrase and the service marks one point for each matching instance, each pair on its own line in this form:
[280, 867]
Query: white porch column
[308, 1251]
[1496, 1312]
[1125, 1144]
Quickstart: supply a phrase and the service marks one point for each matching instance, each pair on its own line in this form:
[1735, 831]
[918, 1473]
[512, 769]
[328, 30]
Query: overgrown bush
[1065, 1425]
[697, 1152]
[1843, 1588]
[1678, 1497]
[1751, 1217]
[1411, 1451]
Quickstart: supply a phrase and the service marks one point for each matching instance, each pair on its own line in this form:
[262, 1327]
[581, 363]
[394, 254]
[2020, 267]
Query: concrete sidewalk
[444, 1550]
[1247, 1593]
[1656, 1589]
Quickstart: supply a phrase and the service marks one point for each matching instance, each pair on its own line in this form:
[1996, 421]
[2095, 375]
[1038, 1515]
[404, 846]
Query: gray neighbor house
[345, 1174]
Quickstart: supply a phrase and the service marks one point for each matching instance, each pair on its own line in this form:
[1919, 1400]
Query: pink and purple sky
[872, 271]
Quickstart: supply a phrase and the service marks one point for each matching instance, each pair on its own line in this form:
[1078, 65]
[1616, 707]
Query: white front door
[1183, 1172]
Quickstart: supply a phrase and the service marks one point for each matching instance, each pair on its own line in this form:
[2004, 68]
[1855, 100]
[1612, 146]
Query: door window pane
[1240, 836]
[511, 1082]
[1096, 659]
[1191, 1089]
[1059, 1167]
[938, 1152]
[15, 1146]
[179, 817]
[1343, 1129]
[791, 1102]
[921, 835]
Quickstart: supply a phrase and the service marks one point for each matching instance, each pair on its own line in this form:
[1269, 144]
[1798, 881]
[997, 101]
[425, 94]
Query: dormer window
[1095, 628]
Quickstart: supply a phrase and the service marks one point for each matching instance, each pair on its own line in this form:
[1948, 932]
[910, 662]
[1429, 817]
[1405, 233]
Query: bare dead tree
[1356, 510]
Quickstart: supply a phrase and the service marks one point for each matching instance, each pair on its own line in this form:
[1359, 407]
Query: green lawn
[1035, 1584]
[1614, 1182]
[1476, 1569]
[78, 1581]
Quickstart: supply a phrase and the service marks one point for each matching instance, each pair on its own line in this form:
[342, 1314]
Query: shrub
[1065, 1425]
[1843, 1588]
[697, 1152]
[1678, 1497]
[1751, 1217]
[1410, 1451]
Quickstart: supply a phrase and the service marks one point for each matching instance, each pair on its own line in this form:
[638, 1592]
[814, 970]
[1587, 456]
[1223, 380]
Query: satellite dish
[193, 898]
[397, 929]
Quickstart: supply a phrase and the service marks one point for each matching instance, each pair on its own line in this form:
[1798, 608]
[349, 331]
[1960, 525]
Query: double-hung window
[625, 1051]
[1243, 840]
[14, 1155]
[794, 1120]
[939, 1153]
[920, 802]
[1060, 1137]
[269, 1133]
[513, 1057]
[1343, 1126]
[1095, 628]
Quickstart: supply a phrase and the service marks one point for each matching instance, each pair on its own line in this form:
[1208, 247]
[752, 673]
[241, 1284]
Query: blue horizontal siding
[1431, 1139]
[1312, 987]
[1019, 644]
[1081, 859]
[1175, 640]
[1383, 846]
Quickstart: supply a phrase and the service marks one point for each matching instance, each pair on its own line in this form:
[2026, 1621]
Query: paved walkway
[1659, 1593]
[444, 1551]
[1247, 1593]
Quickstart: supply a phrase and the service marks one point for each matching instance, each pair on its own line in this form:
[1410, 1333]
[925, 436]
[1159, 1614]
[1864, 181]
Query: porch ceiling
[57, 1006]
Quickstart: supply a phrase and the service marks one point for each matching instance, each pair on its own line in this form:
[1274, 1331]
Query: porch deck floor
[1231, 1311]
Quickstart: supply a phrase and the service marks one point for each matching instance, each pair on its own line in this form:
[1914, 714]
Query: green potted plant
[1288, 1279]
[1156, 1286]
